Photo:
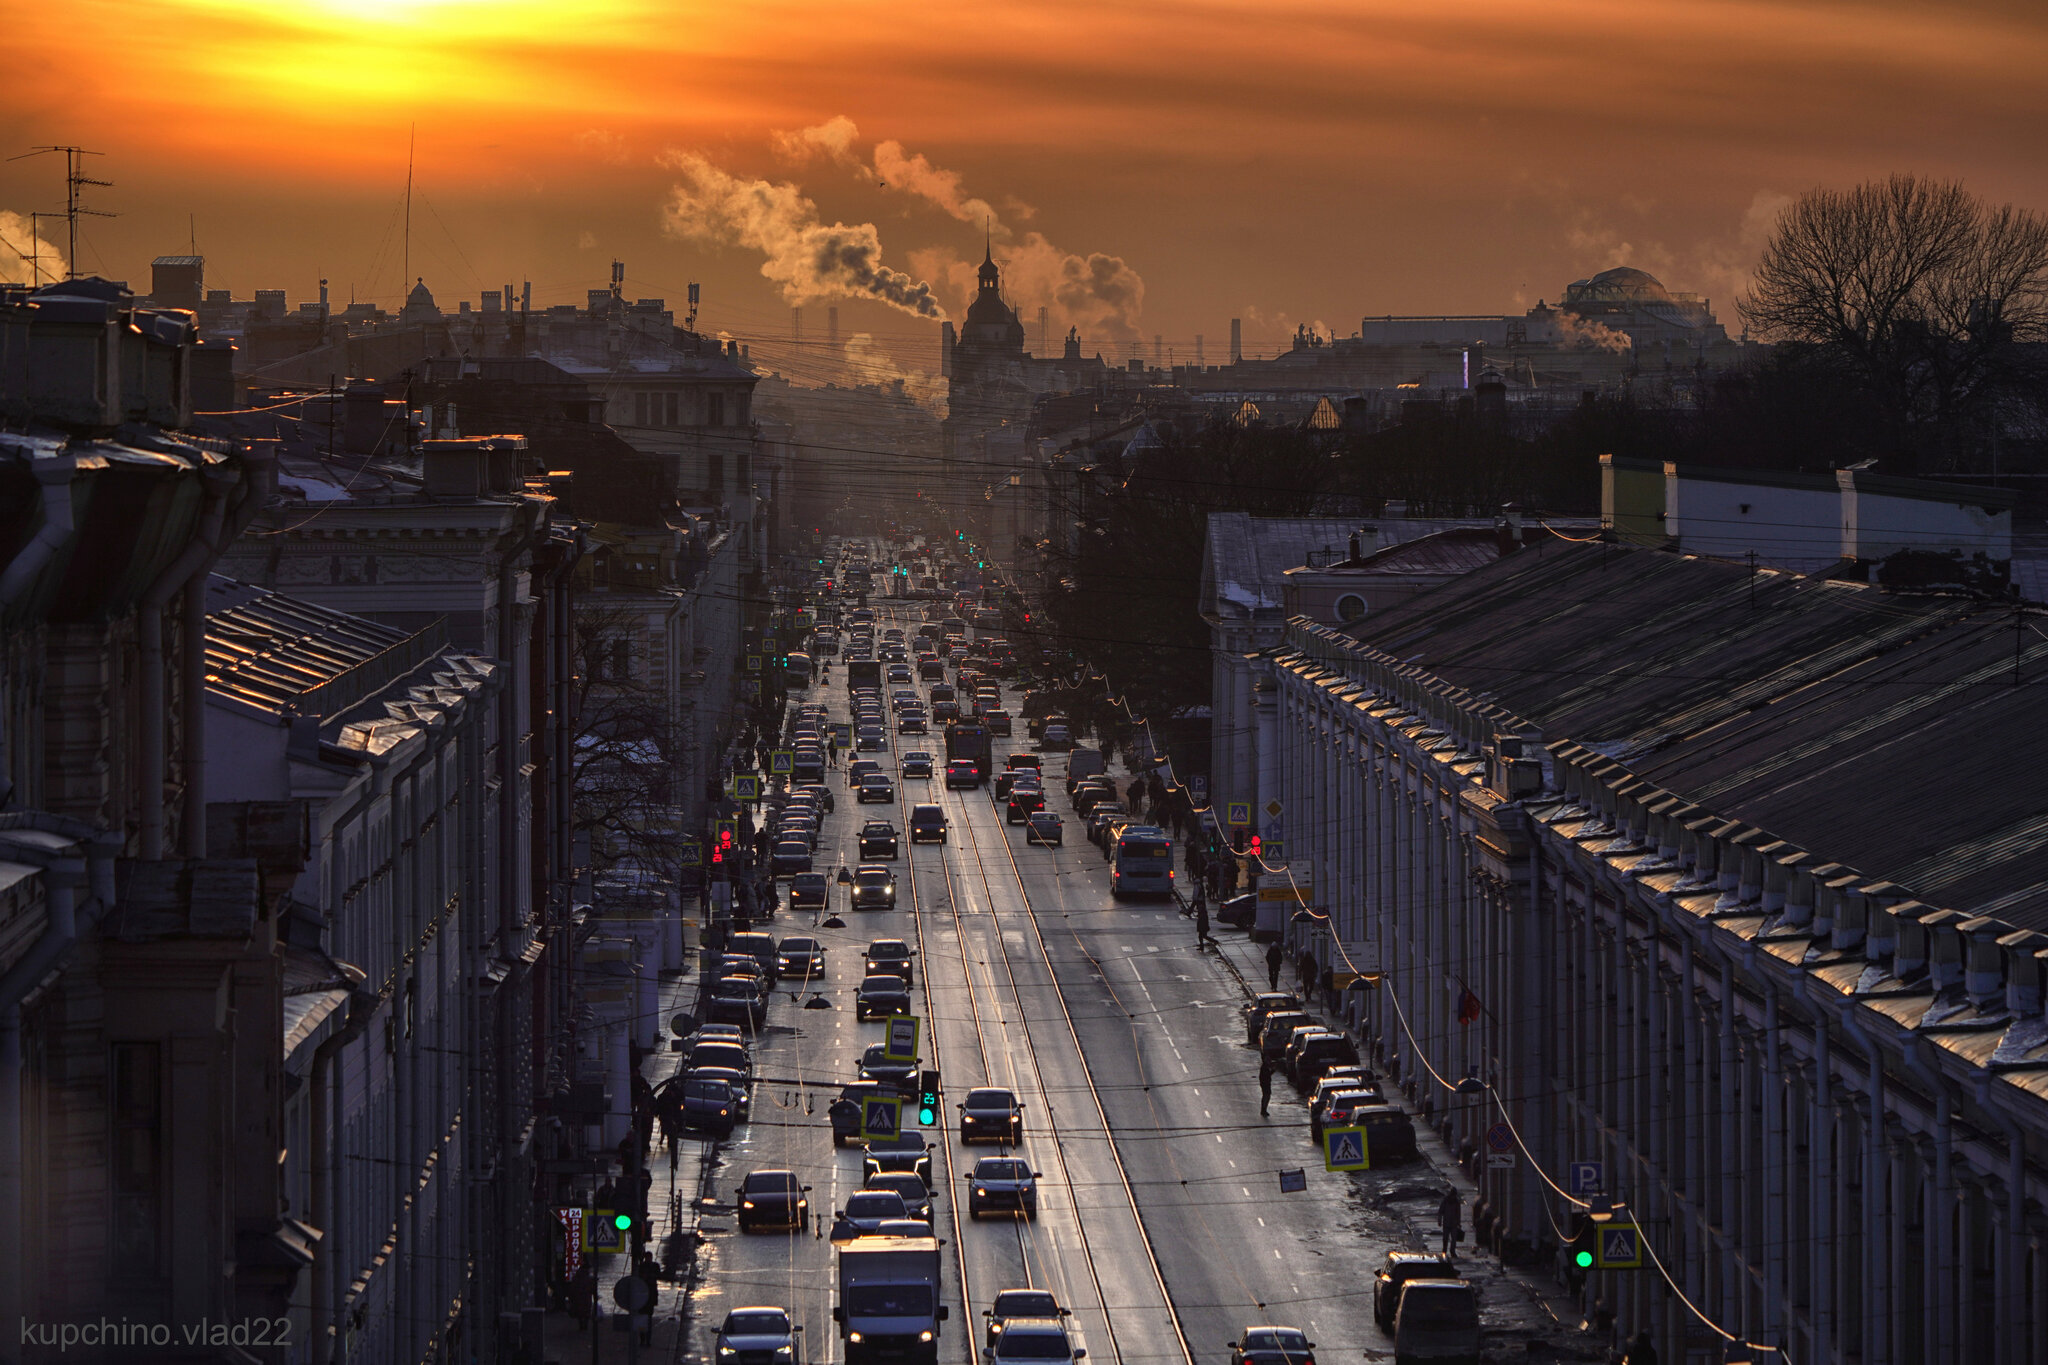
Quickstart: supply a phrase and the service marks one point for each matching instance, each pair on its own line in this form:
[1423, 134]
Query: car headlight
[979, 1190]
[746, 1203]
[725, 1350]
[924, 1335]
[854, 1337]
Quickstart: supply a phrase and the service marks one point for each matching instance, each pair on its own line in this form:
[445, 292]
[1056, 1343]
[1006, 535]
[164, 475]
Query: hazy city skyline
[1152, 171]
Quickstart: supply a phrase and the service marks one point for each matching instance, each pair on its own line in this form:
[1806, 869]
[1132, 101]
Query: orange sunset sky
[1151, 168]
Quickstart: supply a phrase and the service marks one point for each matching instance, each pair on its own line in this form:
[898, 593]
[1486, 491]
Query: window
[1350, 607]
[136, 1160]
[622, 661]
[639, 409]
[672, 409]
[714, 475]
[715, 410]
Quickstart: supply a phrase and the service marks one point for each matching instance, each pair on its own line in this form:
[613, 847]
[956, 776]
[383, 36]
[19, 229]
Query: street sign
[1500, 1137]
[1294, 1181]
[691, 855]
[746, 788]
[1587, 1177]
[1273, 850]
[782, 761]
[1500, 1161]
[1344, 1149]
[751, 687]
[602, 1233]
[881, 1117]
[899, 1043]
[1198, 789]
[1273, 808]
[571, 1219]
[1618, 1246]
[1237, 812]
[633, 1294]
[753, 663]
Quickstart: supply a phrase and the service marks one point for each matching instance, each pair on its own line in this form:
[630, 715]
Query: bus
[1143, 864]
[965, 740]
[796, 670]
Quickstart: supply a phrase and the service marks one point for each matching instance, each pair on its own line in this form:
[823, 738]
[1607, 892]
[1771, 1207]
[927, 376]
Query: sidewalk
[672, 1210]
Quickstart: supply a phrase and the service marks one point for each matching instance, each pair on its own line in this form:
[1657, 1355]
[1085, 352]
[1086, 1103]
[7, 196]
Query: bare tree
[628, 750]
[1920, 291]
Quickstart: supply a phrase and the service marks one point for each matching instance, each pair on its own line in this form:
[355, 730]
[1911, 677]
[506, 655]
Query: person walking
[1274, 957]
[1450, 1220]
[1265, 1086]
[1202, 923]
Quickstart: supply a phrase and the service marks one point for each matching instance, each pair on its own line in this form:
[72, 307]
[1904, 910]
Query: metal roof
[1899, 735]
[289, 656]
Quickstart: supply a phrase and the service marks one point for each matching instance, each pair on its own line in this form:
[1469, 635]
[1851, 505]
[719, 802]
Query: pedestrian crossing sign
[782, 761]
[880, 1117]
[747, 788]
[1618, 1246]
[899, 1041]
[1344, 1149]
[692, 854]
[602, 1234]
[753, 663]
[1237, 813]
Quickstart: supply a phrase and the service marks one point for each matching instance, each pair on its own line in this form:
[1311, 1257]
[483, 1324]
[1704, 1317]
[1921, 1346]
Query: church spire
[991, 278]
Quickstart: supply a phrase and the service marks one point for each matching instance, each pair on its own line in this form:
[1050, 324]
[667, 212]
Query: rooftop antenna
[192, 227]
[690, 321]
[75, 180]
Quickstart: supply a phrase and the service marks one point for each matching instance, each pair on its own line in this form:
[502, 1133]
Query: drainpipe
[66, 874]
[1942, 1215]
[54, 526]
[325, 1163]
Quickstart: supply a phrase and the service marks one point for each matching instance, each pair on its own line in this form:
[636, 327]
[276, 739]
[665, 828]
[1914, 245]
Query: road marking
[1262, 1222]
[1206, 1114]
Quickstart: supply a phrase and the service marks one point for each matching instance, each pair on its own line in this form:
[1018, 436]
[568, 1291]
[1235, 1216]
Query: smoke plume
[1098, 293]
[914, 175]
[868, 363]
[833, 139]
[19, 245]
[1588, 335]
[809, 259]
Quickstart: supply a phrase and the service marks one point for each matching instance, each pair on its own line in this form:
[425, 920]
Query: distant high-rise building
[177, 281]
[1236, 340]
[1044, 331]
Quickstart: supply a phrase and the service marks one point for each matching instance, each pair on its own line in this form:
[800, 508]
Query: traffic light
[1252, 846]
[623, 1221]
[724, 844]
[928, 1098]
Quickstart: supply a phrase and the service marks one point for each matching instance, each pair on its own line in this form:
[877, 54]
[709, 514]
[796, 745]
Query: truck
[889, 1309]
[863, 673]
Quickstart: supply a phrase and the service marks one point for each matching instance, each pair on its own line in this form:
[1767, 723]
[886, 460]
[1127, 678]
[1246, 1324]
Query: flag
[1468, 1007]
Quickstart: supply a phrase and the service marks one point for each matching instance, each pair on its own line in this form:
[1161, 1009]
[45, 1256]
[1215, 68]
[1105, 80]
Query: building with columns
[1727, 887]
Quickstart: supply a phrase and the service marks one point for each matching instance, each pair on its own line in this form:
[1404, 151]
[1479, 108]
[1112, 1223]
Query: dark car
[891, 957]
[758, 946]
[881, 996]
[1279, 1025]
[1044, 828]
[1437, 1321]
[991, 1114]
[1240, 911]
[1002, 1182]
[877, 1065]
[1024, 801]
[877, 839]
[707, 1106]
[874, 887]
[1020, 1303]
[1272, 1346]
[1332, 1082]
[917, 764]
[791, 856]
[998, 722]
[963, 772]
[860, 768]
[1264, 1003]
[738, 1000]
[1317, 1055]
[757, 1335]
[845, 1111]
[1399, 1268]
[917, 1200]
[877, 787]
[729, 1055]
[809, 891]
[801, 959]
[1389, 1132]
[773, 1199]
[906, 1151]
[865, 1212]
[927, 823]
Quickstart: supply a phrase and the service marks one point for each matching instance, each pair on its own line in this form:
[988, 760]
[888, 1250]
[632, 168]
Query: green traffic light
[1585, 1260]
[624, 1222]
[927, 1116]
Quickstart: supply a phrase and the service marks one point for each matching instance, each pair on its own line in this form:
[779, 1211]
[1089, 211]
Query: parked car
[1002, 1182]
[1389, 1132]
[877, 839]
[1044, 828]
[1436, 1322]
[800, 959]
[1316, 1055]
[1272, 1346]
[1240, 911]
[773, 1199]
[1399, 1268]
[716, 1052]
[1279, 1026]
[1019, 1303]
[917, 763]
[760, 947]
[991, 1114]
[874, 887]
[891, 957]
[1259, 1006]
[927, 823]
[880, 996]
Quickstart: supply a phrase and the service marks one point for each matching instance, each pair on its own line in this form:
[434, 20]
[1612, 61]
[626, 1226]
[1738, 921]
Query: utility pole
[411, 140]
[75, 180]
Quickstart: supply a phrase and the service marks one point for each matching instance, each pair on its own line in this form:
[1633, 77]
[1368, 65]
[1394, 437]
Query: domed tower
[419, 304]
[992, 325]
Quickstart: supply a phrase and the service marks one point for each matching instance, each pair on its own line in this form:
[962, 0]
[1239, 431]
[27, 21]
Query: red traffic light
[718, 855]
[1254, 846]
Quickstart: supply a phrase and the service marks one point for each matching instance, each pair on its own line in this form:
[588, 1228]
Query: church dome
[1623, 284]
[421, 296]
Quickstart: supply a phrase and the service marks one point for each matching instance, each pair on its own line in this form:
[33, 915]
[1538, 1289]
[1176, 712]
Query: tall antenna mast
[411, 138]
[75, 180]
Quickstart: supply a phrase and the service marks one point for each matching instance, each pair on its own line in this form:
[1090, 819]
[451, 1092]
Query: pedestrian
[1641, 1351]
[1274, 957]
[1265, 1085]
[1450, 1220]
[1202, 923]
